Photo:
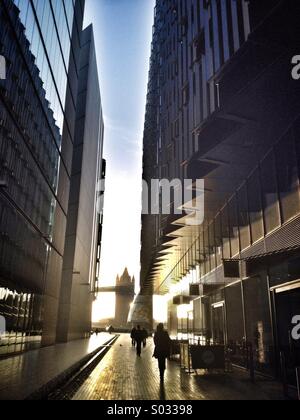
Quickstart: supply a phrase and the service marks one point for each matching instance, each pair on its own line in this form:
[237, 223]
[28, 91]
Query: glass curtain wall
[32, 121]
[267, 199]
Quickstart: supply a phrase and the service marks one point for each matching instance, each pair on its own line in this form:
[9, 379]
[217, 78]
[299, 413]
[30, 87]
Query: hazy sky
[123, 30]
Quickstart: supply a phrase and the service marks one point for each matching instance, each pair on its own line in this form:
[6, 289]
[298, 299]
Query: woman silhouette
[162, 343]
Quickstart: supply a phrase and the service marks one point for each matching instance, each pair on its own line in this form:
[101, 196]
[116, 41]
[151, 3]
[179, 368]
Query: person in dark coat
[139, 337]
[133, 332]
[162, 350]
[145, 336]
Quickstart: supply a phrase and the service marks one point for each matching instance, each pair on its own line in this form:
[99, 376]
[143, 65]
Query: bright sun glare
[104, 307]
[160, 309]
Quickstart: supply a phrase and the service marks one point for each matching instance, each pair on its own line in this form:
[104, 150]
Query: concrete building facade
[83, 226]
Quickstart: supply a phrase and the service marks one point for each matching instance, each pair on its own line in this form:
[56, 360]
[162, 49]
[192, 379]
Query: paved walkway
[123, 376]
[22, 375]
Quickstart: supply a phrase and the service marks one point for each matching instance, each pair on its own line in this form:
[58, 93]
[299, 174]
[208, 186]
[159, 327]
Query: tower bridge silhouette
[125, 293]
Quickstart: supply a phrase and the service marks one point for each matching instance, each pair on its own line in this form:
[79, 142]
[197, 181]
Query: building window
[244, 217]
[218, 240]
[206, 4]
[234, 227]
[207, 251]
[258, 321]
[270, 193]
[186, 94]
[184, 26]
[255, 207]
[176, 128]
[288, 182]
[212, 246]
[235, 318]
[199, 47]
[225, 233]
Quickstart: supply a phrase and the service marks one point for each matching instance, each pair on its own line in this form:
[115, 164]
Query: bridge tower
[125, 286]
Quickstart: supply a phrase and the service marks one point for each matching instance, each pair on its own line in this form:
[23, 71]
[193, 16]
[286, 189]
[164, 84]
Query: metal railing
[242, 355]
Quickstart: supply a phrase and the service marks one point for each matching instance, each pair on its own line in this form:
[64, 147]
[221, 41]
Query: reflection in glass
[22, 312]
[234, 314]
[258, 321]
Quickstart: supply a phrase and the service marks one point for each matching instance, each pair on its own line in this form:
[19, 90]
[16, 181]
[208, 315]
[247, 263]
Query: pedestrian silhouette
[133, 334]
[145, 336]
[110, 329]
[162, 350]
[139, 337]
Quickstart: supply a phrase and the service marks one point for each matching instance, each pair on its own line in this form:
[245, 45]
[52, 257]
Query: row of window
[25, 185]
[269, 198]
[186, 95]
[250, 298]
[51, 50]
[241, 314]
[28, 135]
[22, 251]
[37, 135]
[223, 25]
[30, 111]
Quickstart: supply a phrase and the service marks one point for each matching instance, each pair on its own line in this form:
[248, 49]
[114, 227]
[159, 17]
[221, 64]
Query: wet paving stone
[121, 375]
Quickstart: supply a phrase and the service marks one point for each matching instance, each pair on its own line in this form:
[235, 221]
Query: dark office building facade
[40, 41]
[222, 106]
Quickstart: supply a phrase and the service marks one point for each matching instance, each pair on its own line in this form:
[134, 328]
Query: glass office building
[222, 106]
[40, 41]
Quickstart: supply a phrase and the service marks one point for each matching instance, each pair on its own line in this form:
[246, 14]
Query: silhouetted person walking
[145, 336]
[162, 350]
[139, 337]
[133, 333]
